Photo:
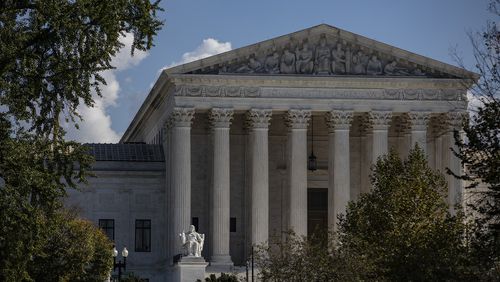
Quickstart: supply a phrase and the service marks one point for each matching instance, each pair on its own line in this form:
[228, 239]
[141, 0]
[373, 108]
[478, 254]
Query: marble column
[339, 173]
[167, 144]
[220, 120]
[180, 176]
[297, 121]
[419, 121]
[380, 122]
[439, 131]
[455, 186]
[258, 123]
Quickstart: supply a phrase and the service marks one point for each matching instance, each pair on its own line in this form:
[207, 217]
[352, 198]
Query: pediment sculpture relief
[325, 57]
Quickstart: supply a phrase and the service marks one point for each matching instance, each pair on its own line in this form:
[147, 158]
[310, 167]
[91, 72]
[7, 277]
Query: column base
[189, 269]
[221, 263]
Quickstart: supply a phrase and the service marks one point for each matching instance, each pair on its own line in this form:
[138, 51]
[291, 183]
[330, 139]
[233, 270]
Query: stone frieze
[318, 93]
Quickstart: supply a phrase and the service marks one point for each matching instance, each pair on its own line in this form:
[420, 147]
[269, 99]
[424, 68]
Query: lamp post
[120, 264]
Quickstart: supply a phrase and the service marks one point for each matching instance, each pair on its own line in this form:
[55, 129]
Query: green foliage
[51, 56]
[224, 277]
[479, 151]
[403, 227]
[478, 147]
[34, 173]
[51, 53]
[316, 258]
[73, 250]
[400, 231]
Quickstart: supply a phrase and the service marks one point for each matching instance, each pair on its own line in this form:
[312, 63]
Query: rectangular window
[195, 222]
[143, 235]
[108, 226]
[232, 224]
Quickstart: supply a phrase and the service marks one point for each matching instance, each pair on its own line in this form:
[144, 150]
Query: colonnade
[297, 120]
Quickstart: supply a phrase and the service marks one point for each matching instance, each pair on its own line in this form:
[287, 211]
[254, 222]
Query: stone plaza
[223, 144]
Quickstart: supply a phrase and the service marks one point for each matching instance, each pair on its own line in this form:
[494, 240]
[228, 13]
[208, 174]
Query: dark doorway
[317, 210]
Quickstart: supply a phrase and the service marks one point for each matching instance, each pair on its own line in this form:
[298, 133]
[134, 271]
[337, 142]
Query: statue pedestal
[190, 269]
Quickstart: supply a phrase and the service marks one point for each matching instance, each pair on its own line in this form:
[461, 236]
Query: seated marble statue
[358, 60]
[305, 62]
[192, 242]
[392, 69]
[322, 58]
[374, 66]
[272, 63]
[287, 65]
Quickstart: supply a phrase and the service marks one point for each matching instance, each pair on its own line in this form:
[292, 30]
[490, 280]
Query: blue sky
[199, 28]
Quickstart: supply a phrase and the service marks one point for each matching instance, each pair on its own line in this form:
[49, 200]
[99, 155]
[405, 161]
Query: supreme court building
[223, 143]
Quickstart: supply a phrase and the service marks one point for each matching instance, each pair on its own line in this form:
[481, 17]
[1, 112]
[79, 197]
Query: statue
[322, 59]
[305, 62]
[348, 61]
[339, 59]
[418, 72]
[359, 61]
[253, 66]
[287, 65]
[192, 242]
[392, 69]
[374, 66]
[271, 65]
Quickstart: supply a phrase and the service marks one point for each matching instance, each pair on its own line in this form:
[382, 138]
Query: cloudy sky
[197, 29]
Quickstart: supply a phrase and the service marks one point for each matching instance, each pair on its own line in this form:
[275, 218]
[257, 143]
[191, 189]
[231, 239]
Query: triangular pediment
[322, 50]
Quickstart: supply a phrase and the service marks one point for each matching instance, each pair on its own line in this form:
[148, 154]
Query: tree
[74, 250]
[314, 258]
[51, 56]
[403, 227]
[479, 148]
[400, 231]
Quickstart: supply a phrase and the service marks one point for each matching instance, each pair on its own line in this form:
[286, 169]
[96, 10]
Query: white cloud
[96, 124]
[208, 47]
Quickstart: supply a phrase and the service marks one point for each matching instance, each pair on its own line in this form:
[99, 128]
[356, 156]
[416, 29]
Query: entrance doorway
[317, 210]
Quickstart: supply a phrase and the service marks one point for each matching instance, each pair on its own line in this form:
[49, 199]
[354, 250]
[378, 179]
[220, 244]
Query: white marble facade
[235, 130]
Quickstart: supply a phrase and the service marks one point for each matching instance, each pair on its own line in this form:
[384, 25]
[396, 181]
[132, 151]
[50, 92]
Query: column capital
[258, 118]
[456, 119]
[419, 120]
[182, 117]
[220, 117]
[338, 120]
[297, 119]
[380, 120]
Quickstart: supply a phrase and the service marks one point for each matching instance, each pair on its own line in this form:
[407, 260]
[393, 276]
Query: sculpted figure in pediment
[339, 60]
[393, 69]
[253, 66]
[359, 61]
[287, 65]
[305, 62]
[418, 72]
[374, 66]
[348, 59]
[322, 58]
[272, 63]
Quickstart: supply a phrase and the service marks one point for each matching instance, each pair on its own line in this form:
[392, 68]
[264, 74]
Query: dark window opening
[143, 235]
[195, 222]
[108, 227]
[232, 224]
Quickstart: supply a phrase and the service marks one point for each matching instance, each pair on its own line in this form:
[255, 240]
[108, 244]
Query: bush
[74, 250]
